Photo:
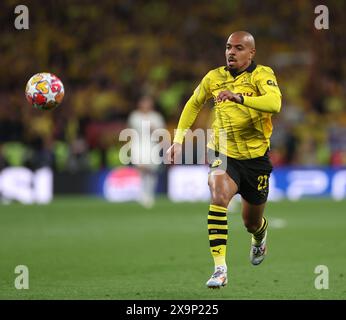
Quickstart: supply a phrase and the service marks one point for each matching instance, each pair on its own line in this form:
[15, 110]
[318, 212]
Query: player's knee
[220, 199]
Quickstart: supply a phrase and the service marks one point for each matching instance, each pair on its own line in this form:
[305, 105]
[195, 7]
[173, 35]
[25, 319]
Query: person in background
[145, 120]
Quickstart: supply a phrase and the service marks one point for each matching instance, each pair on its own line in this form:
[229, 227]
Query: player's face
[238, 53]
[146, 104]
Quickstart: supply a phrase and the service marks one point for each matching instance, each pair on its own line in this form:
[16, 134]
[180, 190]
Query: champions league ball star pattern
[44, 91]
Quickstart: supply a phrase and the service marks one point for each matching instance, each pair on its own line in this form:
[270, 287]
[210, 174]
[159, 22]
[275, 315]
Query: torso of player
[238, 131]
[144, 137]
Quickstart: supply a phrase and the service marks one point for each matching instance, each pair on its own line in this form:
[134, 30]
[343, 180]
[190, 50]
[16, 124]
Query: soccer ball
[44, 91]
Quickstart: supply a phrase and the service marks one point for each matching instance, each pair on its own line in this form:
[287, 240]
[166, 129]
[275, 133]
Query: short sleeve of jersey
[266, 81]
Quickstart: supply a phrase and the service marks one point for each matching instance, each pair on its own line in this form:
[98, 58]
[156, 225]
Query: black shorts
[251, 175]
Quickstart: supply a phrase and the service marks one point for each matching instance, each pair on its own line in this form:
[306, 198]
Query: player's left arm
[270, 98]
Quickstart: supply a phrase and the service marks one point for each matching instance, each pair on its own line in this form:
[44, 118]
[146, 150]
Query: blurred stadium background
[81, 244]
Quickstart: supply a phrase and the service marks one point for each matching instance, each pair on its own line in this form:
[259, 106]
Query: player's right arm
[191, 109]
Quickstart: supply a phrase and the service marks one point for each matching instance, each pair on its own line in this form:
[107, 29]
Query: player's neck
[236, 72]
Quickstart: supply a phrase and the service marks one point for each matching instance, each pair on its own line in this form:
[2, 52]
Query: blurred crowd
[109, 53]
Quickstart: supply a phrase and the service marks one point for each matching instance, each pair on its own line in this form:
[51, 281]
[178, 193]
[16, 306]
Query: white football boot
[218, 278]
[258, 252]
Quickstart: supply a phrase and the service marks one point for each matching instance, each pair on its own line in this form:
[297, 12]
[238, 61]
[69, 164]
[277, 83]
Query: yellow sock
[218, 232]
[258, 235]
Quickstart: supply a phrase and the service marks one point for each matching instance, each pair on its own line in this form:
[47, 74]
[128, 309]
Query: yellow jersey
[240, 131]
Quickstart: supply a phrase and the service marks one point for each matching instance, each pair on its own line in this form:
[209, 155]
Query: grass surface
[85, 248]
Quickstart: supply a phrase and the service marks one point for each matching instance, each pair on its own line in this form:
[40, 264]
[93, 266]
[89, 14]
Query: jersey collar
[249, 69]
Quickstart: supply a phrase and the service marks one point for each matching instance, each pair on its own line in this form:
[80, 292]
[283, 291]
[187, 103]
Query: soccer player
[245, 97]
[145, 120]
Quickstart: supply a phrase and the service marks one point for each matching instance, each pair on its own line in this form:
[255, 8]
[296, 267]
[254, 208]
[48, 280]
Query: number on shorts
[263, 182]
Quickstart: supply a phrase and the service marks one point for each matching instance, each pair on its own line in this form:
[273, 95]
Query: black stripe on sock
[263, 228]
[217, 214]
[260, 230]
[217, 242]
[259, 236]
[265, 222]
[219, 222]
[218, 231]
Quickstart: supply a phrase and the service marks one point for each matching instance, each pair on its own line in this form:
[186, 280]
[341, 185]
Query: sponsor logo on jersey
[216, 163]
[249, 94]
[271, 83]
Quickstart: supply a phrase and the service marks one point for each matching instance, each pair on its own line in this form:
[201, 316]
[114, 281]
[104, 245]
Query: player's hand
[174, 152]
[228, 95]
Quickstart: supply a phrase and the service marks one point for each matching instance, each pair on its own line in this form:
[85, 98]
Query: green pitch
[85, 248]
